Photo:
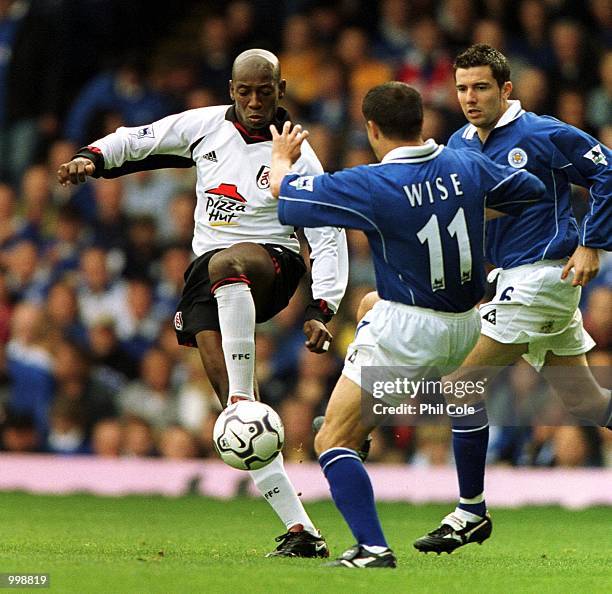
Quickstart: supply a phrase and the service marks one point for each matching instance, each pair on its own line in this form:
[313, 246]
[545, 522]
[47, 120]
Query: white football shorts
[533, 305]
[392, 334]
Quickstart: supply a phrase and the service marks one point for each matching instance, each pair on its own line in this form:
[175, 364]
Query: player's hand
[75, 171]
[318, 337]
[585, 263]
[287, 144]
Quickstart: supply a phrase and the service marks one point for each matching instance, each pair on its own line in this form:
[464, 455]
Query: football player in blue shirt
[542, 258]
[422, 209]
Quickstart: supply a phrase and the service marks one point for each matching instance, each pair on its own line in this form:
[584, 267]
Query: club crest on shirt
[596, 155]
[517, 157]
[178, 320]
[224, 205]
[263, 177]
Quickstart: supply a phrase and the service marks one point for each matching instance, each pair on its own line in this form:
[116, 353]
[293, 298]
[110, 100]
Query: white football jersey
[234, 203]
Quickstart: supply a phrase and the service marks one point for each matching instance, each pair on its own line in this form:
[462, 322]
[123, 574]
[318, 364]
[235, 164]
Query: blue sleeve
[340, 199]
[587, 163]
[509, 190]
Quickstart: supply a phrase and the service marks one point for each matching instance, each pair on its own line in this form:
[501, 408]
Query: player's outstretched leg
[348, 479]
[241, 277]
[470, 521]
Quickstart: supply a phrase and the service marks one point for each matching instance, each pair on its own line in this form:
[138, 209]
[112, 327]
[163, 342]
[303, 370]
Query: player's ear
[282, 87]
[231, 89]
[507, 89]
[372, 129]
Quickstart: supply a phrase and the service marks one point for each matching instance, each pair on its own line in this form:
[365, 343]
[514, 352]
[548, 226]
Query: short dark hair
[396, 108]
[482, 54]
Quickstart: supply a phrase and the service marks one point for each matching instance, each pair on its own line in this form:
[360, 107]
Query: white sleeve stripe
[503, 181]
[556, 215]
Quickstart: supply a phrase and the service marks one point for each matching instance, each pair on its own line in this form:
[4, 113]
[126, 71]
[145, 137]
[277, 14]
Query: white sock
[466, 516]
[375, 549]
[273, 483]
[237, 321]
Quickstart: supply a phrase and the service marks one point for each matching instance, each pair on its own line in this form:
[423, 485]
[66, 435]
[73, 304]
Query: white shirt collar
[514, 111]
[414, 154]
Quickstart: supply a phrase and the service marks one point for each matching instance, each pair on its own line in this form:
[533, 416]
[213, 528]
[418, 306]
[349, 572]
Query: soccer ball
[248, 435]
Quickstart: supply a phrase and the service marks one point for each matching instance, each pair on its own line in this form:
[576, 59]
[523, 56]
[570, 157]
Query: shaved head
[257, 59]
[256, 88]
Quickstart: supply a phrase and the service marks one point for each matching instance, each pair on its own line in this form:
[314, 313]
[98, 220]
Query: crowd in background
[90, 276]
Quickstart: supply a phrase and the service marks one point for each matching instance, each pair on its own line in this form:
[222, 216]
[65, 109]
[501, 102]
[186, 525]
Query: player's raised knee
[366, 304]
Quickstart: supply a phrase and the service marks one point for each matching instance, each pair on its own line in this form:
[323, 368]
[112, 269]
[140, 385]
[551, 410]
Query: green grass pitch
[153, 544]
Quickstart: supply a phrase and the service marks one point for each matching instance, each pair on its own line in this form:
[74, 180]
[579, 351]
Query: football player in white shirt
[248, 264]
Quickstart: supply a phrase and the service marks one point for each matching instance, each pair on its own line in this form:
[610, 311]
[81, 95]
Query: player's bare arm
[286, 150]
[585, 263]
[75, 172]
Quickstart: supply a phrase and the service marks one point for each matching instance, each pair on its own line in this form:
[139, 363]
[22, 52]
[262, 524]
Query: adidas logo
[212, 156]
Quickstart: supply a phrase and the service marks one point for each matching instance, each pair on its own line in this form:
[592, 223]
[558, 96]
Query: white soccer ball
[248, 435]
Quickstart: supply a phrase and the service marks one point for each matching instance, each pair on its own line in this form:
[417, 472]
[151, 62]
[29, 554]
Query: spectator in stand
[111, 365]
[174, 262]
[180, 219]
[214, 57]
[571, 108]
[364, 71]
[61, 252]
[457, 18]
[67, 432]
[329, 106]
[176, 443]
[149, 192]
[428, 67]
[62, 308]
[36, 203]
[151, 398]
[601, 16]
[12, 226]
[142, 249]
[532, 87]
[301, 58]
[28, 107]
[137, 327]
[139, 437]
[393, 31]
[75, 383]
[26, 279]
[110, 226]
[532, 42]
[574, 65]
[599, 109]
[99, 296]
[29, 366]
[107, 438]
[123, 90]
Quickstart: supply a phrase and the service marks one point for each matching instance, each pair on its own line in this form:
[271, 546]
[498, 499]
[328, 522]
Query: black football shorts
[197, 309]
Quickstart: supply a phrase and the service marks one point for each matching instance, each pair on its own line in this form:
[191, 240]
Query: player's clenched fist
[75, 171]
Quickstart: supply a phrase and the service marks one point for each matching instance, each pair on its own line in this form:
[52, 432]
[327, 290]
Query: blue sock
[352, 493]
[470, 441]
